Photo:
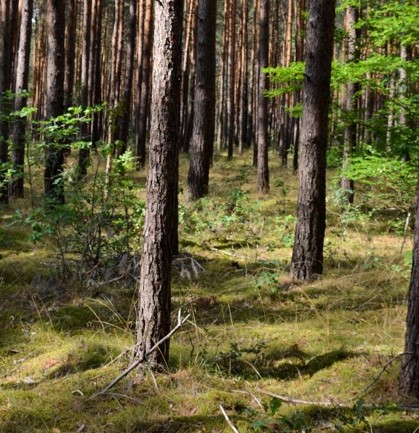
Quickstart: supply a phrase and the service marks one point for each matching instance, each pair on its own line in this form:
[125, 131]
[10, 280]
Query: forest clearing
[209, 216]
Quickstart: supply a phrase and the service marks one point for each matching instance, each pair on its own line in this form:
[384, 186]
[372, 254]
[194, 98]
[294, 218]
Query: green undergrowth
[331, 345]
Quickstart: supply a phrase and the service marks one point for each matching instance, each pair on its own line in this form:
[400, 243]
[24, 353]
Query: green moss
[71, 317]
[259, 331]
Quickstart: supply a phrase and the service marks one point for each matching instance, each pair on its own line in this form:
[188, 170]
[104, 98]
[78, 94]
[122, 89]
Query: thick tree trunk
[22, 78]
[262, 125]
[54, 153]
[307, 258]
[409, 375]
[202, 142]
[153, 319]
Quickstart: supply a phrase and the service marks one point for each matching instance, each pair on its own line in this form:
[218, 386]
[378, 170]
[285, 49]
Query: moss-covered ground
[253, 333]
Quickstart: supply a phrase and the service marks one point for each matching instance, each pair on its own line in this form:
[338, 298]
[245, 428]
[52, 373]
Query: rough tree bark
[54, 152]
[123, 119]
[202, 142]
[307, 257]
[153, 319]
[145, 66]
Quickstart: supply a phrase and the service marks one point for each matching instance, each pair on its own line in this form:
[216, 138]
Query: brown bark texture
[54, 152]
[153, 319]
[204, 101]
[145, 85]
[307, 257]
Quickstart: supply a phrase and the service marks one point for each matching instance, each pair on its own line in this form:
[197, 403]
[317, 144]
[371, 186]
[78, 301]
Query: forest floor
[276, 355]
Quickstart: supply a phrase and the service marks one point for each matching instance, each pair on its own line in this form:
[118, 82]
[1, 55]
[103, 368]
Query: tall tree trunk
[97, 97]
[70, 51]
[145, 83]
[153, 319]
[54, 153]
[262, 125]
[124, 113]
[244, 115]
[21, 84]
[8, 25]
[40, 63]
[231, 107]
[222, 84]
[202, 143]
[307, 257]
[349, 134]
[84, 153]
[188, 72]
[409, 375]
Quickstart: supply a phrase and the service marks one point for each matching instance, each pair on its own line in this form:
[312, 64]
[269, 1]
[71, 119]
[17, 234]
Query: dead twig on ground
[231, 425]
[136, 363]
[377, 378]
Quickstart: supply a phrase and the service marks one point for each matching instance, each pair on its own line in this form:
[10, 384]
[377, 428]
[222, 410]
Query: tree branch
[228, 419]
[136, 363]
[383, 370]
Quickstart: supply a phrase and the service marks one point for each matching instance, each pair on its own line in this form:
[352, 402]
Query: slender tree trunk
[123, 119]
[349, 135]
[22, 78]
[70, 51]
[8, 12]
[97, 97]
[307, 258]
[204, 101]
[231, 106]
[187, 72]
[222, 84]
[54, 153]
[262, 126]
[153, 319]
[244, 116]
[84, 153]
[40, 63]
[145, 83]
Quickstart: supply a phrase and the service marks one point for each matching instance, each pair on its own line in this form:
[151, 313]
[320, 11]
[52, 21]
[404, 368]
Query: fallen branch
[136, 363]
[228, 419]
[298, 401]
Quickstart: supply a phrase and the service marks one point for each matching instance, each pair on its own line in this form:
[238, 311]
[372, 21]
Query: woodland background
[275, 353]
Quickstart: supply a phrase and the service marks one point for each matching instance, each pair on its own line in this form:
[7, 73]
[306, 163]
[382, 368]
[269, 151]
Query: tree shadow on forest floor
[255, 363]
